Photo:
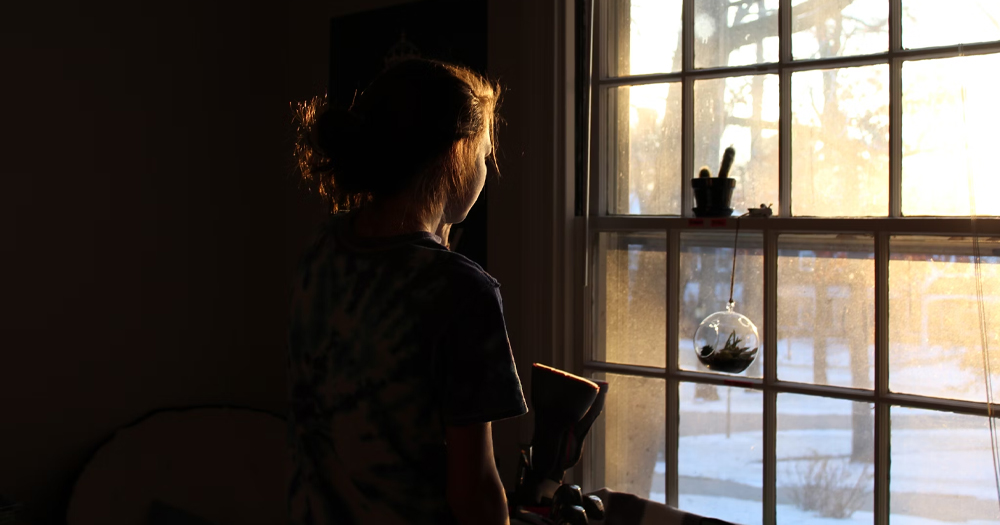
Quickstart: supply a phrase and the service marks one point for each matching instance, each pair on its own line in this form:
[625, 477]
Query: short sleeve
[479, 375]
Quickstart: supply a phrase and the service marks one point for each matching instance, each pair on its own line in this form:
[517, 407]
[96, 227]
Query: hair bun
[334, 127]
[342, 137]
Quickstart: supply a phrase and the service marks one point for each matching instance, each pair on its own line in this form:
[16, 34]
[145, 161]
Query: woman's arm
[475, 493]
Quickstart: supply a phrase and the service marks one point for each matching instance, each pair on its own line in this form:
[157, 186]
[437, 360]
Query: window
[870, 127]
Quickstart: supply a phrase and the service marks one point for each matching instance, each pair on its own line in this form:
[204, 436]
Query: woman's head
[422, 128]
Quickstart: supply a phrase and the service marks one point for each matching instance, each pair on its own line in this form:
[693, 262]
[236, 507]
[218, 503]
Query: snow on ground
[747, 512]
[953, 462]
[940, 463]
[943, 462]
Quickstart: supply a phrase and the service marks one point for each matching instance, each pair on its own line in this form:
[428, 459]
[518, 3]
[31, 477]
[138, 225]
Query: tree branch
[809, 13]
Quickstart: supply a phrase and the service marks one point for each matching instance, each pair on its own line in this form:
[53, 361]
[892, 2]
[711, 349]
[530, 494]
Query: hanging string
[987, 368]
[736, 240]
[981, 304]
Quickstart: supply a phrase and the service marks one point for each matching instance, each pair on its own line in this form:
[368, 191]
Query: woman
[398, 351]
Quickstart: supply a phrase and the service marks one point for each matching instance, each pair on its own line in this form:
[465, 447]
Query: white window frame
[881, 229]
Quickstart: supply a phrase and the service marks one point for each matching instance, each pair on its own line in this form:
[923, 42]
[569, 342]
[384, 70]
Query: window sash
[895, 56]
[881, 230]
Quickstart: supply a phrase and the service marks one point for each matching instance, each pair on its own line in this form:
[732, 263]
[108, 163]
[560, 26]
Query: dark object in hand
[594, 507]
[566, 496]
[574, 515]
[565, 407]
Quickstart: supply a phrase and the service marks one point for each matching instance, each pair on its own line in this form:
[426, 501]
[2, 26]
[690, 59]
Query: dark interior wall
[148, 217]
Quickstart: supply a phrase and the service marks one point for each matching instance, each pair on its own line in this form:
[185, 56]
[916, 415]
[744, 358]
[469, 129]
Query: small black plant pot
[712, 196]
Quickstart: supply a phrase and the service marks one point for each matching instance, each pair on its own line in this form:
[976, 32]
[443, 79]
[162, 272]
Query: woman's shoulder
[419, 253]
[467, 273]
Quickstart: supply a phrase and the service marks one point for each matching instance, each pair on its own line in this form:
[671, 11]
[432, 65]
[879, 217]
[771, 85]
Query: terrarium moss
[731, 358]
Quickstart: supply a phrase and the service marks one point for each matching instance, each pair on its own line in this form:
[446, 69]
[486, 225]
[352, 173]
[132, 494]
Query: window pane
[644, 149]
[826, 310]
[941, 468]
[735, 33]
[627, 441]
[825, 460]
[643, 36]
[950, 119]
[632, 305]
[706, 264]
[928, 23]
[833, 28]
[935, 348]
[741, 112]
[840, 142]
[719, 452]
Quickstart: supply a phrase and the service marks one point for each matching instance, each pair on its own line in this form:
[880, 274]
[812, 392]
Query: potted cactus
[713, 195]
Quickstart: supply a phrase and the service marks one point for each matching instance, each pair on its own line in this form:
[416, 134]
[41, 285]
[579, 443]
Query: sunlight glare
[926, 24]
[653, 38]
[947, 141]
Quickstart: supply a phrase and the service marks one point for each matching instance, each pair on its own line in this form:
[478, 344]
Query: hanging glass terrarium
[726, 341]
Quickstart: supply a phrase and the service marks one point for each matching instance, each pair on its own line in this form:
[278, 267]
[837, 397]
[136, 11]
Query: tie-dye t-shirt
[390, 340]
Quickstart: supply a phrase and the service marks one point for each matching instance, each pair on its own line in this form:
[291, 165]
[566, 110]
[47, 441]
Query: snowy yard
[941, 464]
